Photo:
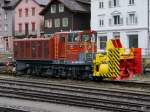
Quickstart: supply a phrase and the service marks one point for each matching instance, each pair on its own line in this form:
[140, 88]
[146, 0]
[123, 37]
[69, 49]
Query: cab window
[85, 38]
[72, 37]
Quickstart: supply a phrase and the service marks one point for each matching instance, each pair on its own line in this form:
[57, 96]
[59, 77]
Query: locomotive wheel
[97, 78]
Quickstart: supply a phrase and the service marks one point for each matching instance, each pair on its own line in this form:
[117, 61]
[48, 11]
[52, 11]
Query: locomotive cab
[81, 46]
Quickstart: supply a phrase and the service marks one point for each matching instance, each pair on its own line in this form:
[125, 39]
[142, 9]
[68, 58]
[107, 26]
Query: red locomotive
[64, 54]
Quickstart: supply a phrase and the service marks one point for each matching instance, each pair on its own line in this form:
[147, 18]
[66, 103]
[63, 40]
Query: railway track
[100, 98]
[6, 109]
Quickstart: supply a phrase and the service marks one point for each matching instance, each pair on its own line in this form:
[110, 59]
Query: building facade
[6, 24]
[28, 22]
[66, 15]
[124, 19]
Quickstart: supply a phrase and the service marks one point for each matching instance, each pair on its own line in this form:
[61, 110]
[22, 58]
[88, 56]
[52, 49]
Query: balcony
[23, 33]
[118, 22]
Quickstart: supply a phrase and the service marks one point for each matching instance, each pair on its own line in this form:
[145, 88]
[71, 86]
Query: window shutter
[110, 22]
[110, 3]
[136, 20]
[117, 2]
[121, 20]
[127, 21]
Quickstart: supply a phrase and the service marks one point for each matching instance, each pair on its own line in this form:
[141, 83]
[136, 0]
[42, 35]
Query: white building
[126, 19]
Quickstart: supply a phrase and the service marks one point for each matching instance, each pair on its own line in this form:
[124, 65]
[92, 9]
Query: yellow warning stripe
[114, 58]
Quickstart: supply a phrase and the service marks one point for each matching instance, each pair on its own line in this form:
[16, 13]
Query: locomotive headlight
[103, 68]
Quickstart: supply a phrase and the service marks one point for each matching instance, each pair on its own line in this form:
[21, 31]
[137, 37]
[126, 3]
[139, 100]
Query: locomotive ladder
[56, 48]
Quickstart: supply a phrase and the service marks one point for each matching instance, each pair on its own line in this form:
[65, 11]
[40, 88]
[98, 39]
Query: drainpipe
[148, 26]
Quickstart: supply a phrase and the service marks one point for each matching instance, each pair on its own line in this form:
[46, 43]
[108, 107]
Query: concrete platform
[34, 106]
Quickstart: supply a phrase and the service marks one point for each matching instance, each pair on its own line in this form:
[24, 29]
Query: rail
[98, 98]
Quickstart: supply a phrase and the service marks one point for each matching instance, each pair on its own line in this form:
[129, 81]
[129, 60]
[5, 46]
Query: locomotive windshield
[82, 37]
[88, 37]
[85, 38]
[72, 37]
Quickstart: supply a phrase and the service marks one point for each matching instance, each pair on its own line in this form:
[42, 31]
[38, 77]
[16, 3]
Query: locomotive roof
[31, 39]
[47, 38]
[68, 32]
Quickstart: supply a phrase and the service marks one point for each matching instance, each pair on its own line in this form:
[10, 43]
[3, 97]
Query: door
[26, 29]
[133, 41]
[62, 46]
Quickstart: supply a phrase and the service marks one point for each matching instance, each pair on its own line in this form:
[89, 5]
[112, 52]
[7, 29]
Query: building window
[53, 8]
[102, 40]
[116, 34]
[33, 11]
[113, 3]
[20, 12]
[33, 27]
[0, 27]
[131, 2]
[20, 27]
[26, 12]
[116, 19]
[101, 20]
[48, 23]
[5, 16]
[57, 22]
[61, 8]
[65, 22]
[6, 27]
[132, 19]
[101, 4]
[7, 45]
[133, 41]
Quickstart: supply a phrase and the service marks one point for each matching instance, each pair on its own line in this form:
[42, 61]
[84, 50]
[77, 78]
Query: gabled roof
[14, 3]
[42, 2]
[84, 1]
[11, 4]
[72, 5]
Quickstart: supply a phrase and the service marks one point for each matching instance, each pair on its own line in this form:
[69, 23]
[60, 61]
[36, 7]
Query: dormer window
[61, 8]
[53, 8]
